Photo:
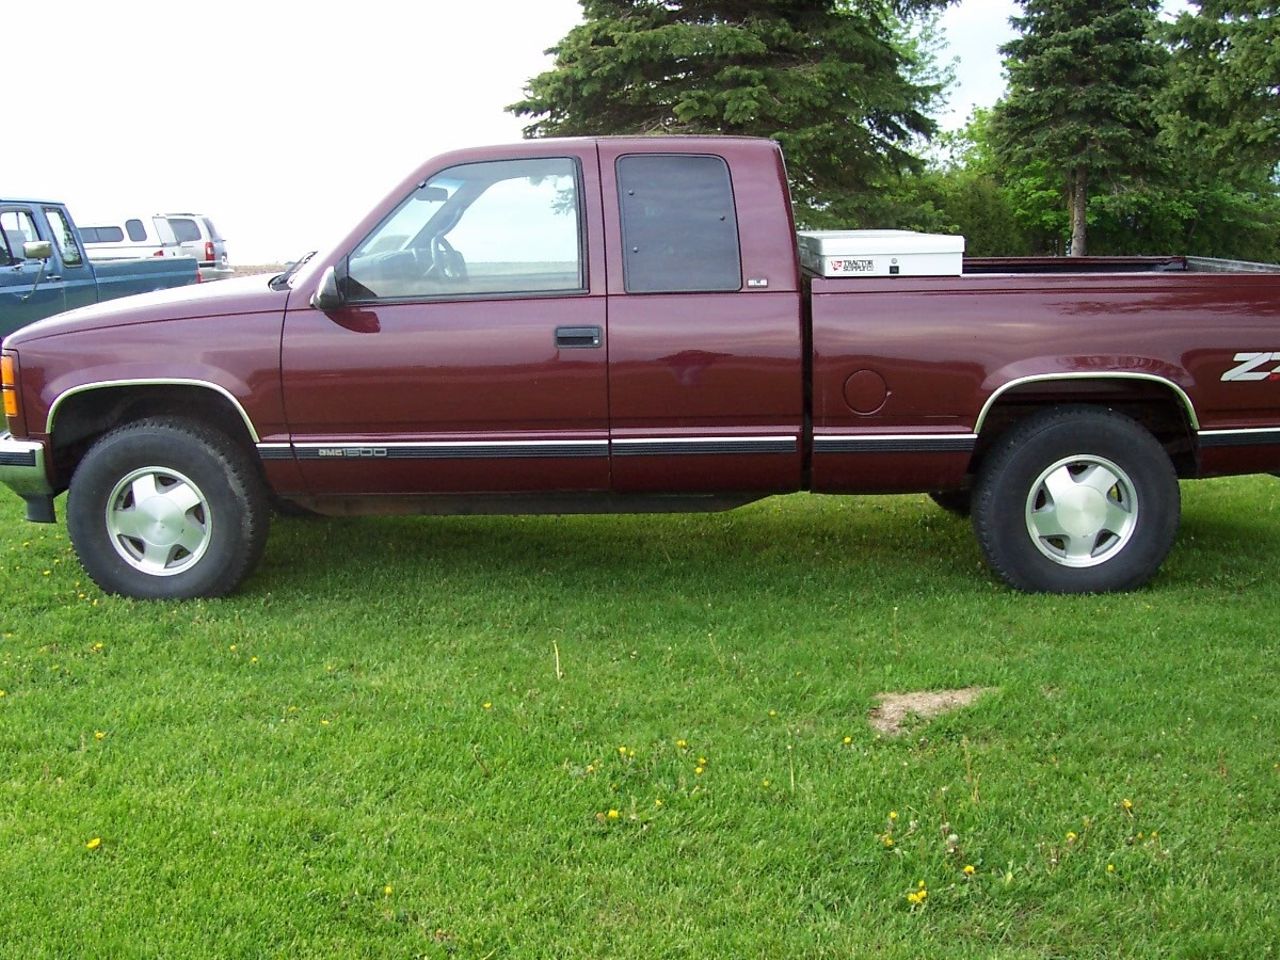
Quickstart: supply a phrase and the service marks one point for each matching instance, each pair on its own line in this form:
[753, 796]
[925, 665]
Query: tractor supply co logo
[1253, 366]
[853, 266]
[352, 452]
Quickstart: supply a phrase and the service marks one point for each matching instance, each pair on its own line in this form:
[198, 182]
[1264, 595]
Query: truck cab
[43, 268]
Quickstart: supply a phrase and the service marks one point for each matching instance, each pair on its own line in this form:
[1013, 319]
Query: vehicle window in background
[102, 234]
[185, 230]
[510, 226]
[137, 232]
[679, 226]
[18, 227]
[211, 229]
[64, 237]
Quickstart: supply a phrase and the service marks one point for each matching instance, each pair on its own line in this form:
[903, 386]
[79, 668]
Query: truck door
[705, 343]
[21, 300]
[469, 355]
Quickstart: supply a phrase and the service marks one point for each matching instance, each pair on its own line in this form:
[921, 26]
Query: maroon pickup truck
[624, 325]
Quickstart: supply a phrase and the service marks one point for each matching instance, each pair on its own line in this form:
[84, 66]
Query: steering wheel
[446, 262]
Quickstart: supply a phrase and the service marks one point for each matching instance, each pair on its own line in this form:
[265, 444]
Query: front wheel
[1076, 500]
[166, 508]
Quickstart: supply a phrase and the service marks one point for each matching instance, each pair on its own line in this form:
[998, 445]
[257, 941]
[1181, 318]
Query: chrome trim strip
[450, 450]
[1100, 375]
[275, 451]
[147, 382]
[1247, 437]
[895, 443]
[693, 446]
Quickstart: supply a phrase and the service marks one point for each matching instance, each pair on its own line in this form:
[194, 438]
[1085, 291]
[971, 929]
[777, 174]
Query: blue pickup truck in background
[44, 270]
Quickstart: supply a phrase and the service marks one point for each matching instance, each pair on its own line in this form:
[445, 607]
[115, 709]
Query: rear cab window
[679, 224]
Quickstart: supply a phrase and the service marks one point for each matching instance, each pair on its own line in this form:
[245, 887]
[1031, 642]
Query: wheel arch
[79, 415]
[1157, 403]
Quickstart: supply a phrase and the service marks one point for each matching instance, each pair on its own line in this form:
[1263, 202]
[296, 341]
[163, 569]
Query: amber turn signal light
[8, 386]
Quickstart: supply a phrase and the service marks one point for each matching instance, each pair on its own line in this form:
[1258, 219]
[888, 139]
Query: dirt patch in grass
[891, 715]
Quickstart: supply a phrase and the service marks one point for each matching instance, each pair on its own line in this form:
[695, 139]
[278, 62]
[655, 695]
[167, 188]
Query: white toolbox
[880, 253]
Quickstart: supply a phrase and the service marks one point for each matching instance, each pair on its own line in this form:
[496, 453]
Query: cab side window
[64, 237]
[679, 225]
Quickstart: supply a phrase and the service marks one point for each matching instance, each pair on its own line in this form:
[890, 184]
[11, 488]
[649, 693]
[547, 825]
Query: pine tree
[1082, 79]
[1223, 96]
[840, 83]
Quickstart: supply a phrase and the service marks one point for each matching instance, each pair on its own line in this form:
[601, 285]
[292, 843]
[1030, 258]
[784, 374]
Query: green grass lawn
[643, 737]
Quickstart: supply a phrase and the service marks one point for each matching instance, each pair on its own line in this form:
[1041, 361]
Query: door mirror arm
[40, 250]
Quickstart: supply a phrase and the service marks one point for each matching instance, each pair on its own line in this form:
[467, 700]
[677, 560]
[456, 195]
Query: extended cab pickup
[44, 270]
[624, 324]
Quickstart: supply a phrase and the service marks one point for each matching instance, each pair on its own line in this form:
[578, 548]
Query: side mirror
[37, 249]
[327, 296]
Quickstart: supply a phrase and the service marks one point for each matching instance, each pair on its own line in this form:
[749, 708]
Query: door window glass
[17, 226]
[510, 226]
[64, 237]
[679, 227]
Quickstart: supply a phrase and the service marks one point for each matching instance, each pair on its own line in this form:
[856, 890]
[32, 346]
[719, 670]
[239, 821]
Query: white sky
[285, 121]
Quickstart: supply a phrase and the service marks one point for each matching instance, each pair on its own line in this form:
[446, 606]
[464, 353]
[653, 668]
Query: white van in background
[198, 237]
[130, 239]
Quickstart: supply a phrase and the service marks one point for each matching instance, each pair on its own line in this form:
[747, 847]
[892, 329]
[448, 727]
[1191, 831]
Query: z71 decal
[1248, 364]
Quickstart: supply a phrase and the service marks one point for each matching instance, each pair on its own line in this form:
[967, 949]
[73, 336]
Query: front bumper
[22, 471]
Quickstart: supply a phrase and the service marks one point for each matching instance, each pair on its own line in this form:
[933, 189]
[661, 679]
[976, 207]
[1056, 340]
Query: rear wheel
[1076, 500]
[167, 508]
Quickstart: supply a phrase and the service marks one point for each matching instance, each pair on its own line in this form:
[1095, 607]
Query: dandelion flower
[773, 713]
[682, 744]
[253, 659]
[613, 814]
[93, 844]
[487, 705]
[698, 771]
[969, 870]
[657, 802]
[99, 735]
[702, 761]
[324, 723]
[232, 648]
[888, 841]
[1071, 836]
[4, 693]
[1111, 868]
[387, 891]
[893, 814]
[848, 740]
[1127, 804]
[766, 783]
[622, 751]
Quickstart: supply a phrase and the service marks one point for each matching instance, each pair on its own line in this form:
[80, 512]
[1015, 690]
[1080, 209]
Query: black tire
[1117, 503]
[207, 517]
[956, 502]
